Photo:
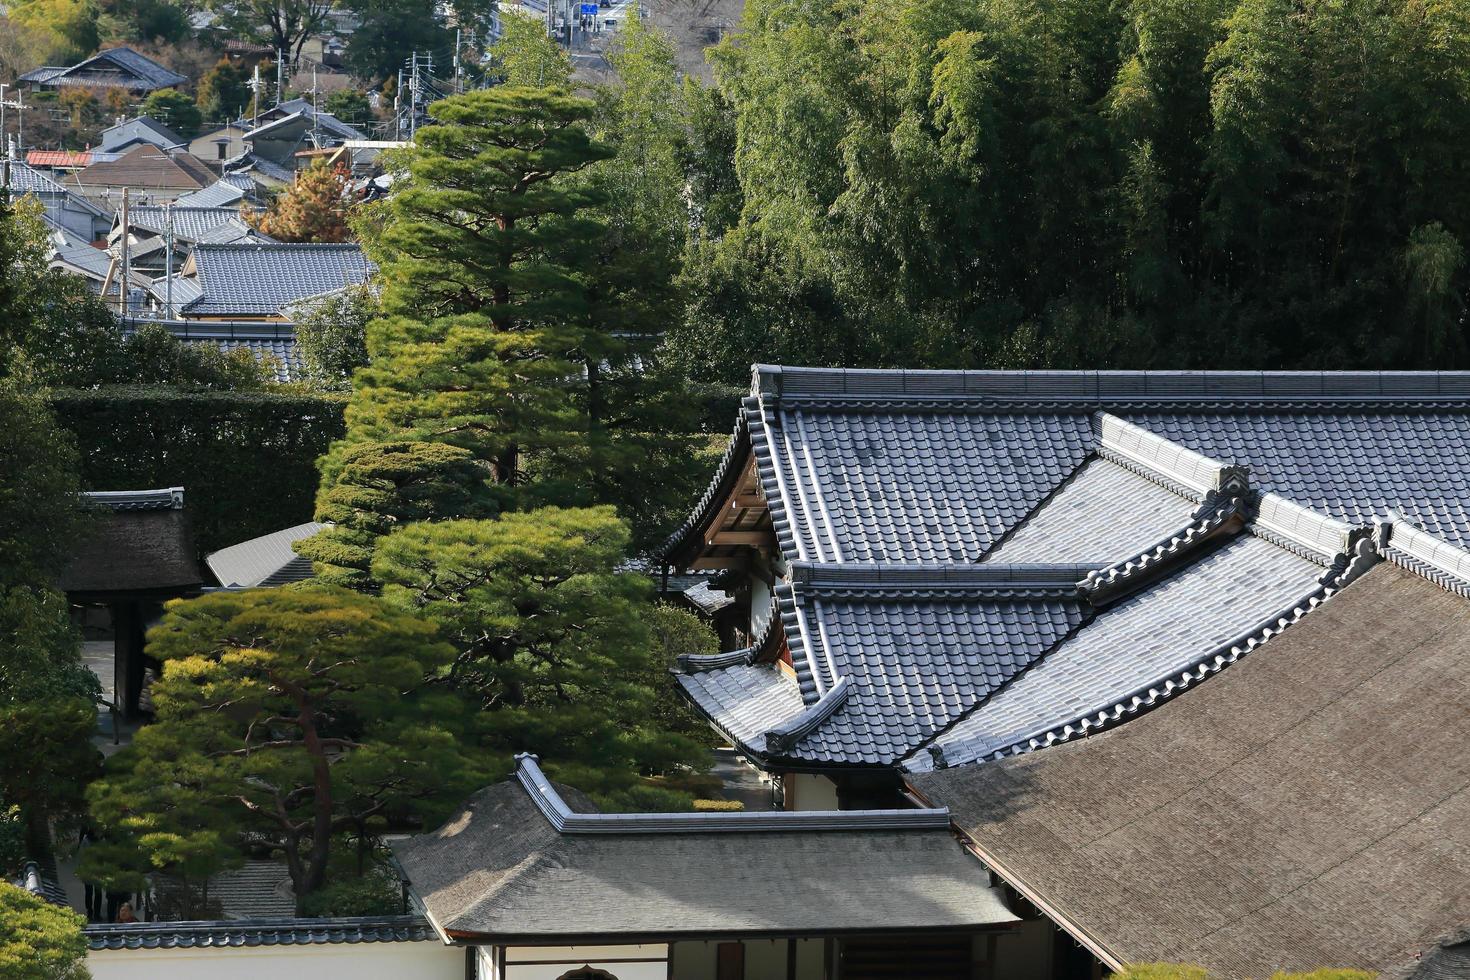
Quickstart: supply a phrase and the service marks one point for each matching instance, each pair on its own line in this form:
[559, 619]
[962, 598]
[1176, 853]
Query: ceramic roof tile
[919, 486]
[279, 931]
[744, 701]
[1142, 640]
[1353, 465]
[190, 223]
[1104, 512]
[261, 279]
[915, 665]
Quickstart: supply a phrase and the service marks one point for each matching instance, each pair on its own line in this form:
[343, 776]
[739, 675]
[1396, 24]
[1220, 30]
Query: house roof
[262, 279]
[58, 158]
[148, 167]
[114, 68]
[519, 862]
[26, 179]
[264, 561]
[903, 513]
[140, 129]
[1308, 807]
[225, 192]
[275, 931]
[191, 224]
[295, 109]
[138, 541]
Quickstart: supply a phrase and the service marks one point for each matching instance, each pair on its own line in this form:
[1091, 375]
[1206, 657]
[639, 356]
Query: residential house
[152, 175]
[139, 131]
[933, 567]
[221, 145]
[149, 228]
[72, 213]
[120, 67]
[230, 191]
[291, 127]
[60, 162]
[261, 282]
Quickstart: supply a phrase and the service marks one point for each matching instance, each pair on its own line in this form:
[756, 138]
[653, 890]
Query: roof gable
[263, 279]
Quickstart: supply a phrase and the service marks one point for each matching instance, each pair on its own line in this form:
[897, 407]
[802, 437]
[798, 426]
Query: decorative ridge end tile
[1406, 545]
[781, 739]
[164, 498]
[1218, 515]
[1167, 463]
[1303, 531]
[902, 580]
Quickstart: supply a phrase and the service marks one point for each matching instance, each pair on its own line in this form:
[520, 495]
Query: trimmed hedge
[246, 459]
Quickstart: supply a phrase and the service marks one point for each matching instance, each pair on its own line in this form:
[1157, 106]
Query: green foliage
[223, 92]
[1229, 183]
[350, 106]
[377, 892]
[389, 31]
[289, 715]
[525, 55]
[67, 28]
[39, 941]
[211, 443]
[331, 335]
[553, 646]
[47, 695]
[175, 110]
[677, 631]
[373, 488]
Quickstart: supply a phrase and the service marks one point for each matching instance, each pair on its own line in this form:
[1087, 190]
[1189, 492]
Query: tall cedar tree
[554, 646]
[313, 209]
[473, 349]
[289, 716]
[47, 694]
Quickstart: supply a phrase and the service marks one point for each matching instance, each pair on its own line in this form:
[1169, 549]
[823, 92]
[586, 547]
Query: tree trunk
[314, 874]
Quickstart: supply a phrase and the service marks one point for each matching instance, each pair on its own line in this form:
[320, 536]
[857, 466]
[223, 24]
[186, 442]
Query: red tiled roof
[59, 158]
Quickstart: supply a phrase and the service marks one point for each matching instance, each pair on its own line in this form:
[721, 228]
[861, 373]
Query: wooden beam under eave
[752, 539]
[748, 501]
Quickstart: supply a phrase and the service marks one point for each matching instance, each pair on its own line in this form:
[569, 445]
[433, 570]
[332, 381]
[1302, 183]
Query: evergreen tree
[553, 644]
[39, 941]
[175, 110]
[313, 209]
[373, 488]
[287, 716]
[223, 93]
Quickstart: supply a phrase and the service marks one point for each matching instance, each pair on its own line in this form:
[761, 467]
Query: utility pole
[280, 73]
[255, 87]
[168, 261]
[316, 136]
[458, 88]
[122, 286]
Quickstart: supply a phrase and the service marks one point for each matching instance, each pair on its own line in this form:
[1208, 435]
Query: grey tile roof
[1353, 465]
[262, 279]
[144, 129]
[114, 68]
[264, 561]
[1144, 640]
[1309, 806]
[745, 701]
[503, 869]
[225, 193]
[1101, 512]
[191, 224]
[275, 931]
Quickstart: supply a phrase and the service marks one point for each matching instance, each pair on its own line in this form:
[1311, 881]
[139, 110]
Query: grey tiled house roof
[113, 68]
[263, 279]
[1144, 482]
[276, 931]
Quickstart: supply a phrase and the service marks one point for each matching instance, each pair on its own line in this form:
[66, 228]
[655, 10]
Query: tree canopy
[290, 715]
[39, 941]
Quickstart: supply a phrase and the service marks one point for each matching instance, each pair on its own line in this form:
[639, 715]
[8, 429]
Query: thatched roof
[1309, 807]
[138, 543]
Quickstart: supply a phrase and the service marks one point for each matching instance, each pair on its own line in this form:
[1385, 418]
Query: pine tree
[313, 209]
[288, 717]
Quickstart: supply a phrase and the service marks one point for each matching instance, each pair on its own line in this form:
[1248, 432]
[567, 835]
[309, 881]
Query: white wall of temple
[760, 605]
[357, 961]
[649, 961]
[806, 791]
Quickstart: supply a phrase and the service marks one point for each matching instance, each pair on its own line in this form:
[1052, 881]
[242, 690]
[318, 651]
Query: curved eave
[686, 544]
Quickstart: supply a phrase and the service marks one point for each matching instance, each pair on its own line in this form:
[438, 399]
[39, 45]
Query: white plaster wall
[806, 791]
[760, 604]
[356, 961]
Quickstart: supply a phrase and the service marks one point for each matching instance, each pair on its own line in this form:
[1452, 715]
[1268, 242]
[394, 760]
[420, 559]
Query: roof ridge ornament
[1406, 545]
[784, 737]
[1304, 531]
[1165, 462]
[1220, 514]
[696, 663]
[919, 579]
[566, 821]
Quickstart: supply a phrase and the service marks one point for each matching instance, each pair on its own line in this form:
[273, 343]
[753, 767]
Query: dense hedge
[247, 460]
